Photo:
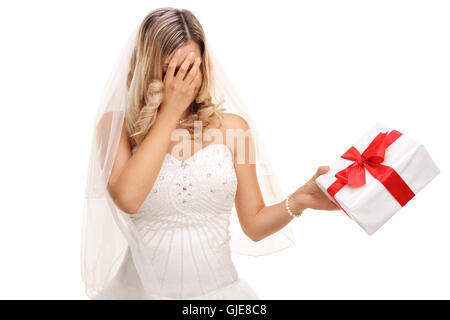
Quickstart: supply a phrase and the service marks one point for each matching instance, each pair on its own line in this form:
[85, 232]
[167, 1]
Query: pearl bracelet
[289, 210]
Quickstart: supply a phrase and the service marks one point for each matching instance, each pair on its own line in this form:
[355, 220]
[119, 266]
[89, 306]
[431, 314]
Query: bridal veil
[107, 231]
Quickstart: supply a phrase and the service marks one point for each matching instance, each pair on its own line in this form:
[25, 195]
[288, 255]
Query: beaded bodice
[185, 218]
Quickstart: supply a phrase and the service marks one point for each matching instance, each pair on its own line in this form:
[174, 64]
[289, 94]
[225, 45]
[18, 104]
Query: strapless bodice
[184, 222]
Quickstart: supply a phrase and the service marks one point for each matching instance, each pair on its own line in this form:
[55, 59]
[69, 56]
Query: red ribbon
[355, 174]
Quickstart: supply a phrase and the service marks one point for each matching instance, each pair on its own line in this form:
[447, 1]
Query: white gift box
[371, 205]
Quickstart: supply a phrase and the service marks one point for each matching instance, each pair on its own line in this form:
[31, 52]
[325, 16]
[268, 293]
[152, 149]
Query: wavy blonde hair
[162, 32]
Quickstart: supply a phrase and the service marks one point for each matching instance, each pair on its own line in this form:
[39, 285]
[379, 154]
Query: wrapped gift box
[377, 176]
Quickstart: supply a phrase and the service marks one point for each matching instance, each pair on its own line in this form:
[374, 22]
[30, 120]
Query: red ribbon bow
[371, 159]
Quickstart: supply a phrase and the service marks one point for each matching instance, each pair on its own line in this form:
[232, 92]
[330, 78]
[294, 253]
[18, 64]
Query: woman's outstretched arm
[257, 220]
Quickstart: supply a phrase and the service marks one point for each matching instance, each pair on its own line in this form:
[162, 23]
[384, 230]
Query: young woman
[174, 166]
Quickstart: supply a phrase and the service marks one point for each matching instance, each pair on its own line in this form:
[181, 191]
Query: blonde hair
[161, 32]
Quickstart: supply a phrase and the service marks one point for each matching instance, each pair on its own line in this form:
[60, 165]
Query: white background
[316, 75]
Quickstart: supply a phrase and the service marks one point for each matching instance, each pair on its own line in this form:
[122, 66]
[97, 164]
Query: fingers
[184, 67]
[172, 65]
[199, 78]
[191, 76]
[197, 82]
[332, 206]
[321, 170]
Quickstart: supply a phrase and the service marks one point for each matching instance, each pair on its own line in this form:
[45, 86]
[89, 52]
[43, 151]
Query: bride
[169, 166]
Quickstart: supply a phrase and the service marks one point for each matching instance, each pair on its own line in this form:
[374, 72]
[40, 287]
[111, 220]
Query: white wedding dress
[184, 221]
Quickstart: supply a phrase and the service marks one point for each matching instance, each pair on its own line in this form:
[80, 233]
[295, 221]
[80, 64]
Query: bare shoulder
[234, 121]
[233, 126]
